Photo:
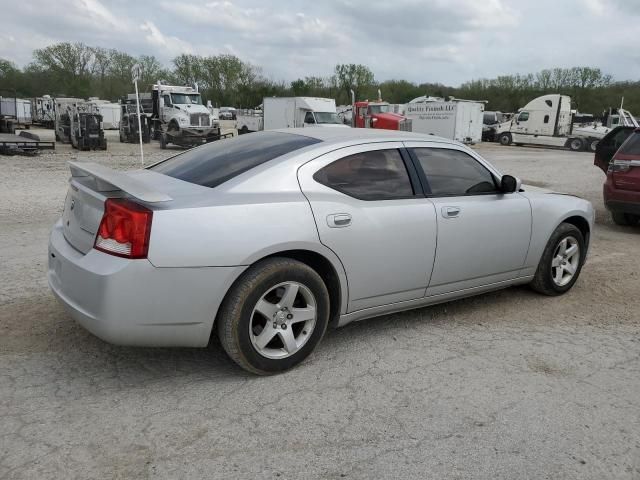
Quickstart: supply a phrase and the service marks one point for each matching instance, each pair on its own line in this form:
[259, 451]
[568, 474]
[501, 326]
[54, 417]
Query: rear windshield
[632, 145]
[215, 163]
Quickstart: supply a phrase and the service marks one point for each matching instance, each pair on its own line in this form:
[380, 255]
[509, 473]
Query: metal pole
[139, 123]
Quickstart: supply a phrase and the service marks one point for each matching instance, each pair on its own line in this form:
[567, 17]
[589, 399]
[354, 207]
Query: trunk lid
[91, 184]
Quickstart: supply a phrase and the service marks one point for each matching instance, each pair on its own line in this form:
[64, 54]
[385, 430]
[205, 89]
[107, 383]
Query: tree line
[79, 70]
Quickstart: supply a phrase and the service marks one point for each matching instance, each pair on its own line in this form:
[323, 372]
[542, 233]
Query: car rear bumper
[616, 200]
[131, 302]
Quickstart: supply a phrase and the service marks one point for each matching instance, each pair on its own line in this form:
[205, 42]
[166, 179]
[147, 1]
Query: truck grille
[200, 120]
[405, 125]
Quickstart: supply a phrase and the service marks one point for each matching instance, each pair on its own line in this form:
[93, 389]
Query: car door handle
[450, 212]
[338, 220]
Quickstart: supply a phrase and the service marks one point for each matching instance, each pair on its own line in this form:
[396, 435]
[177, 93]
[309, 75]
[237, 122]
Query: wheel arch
[582, 224]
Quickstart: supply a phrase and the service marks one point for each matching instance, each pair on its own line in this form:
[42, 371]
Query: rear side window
[632, 145]
[215, 163]
[454, 173]
[373, 175]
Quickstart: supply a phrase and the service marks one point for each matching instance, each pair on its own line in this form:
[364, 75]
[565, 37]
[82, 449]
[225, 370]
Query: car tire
[163, 141]
[257, 303]
[576, 144]
[624, 219]
[548, 280]
[505, 139]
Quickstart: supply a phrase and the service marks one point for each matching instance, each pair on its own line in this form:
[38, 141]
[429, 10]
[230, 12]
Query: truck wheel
[593, 144]
[163, 141]
[243, 130]
[576, 144]
[505, 139]
[122, 139]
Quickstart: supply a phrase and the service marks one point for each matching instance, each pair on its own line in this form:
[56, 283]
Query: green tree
[354, 77]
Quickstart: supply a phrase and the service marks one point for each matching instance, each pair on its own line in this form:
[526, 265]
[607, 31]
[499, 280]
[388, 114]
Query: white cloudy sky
[446, 41]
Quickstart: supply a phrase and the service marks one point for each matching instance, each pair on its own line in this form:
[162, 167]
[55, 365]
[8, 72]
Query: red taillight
[124, 229]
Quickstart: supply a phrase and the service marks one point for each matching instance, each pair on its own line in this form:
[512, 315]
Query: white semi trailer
[548, 121]
[452, 118]
[291, 112]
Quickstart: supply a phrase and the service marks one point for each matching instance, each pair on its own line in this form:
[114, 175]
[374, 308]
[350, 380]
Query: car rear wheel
[625, 219]
[274, 316]
[561, 261]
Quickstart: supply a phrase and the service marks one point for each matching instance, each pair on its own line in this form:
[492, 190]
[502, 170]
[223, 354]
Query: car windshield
[186, 99]
[214, 163]
[327, 118]
[378, 108]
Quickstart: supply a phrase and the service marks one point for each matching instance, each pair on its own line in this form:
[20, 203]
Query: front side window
[167, 100]
[454, 173]
[373, 175]
[523, 117]
[308, 118]
[216, 162]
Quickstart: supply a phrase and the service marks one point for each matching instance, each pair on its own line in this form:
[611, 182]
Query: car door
[626, 166]
[609, 145]
[521, 123]
[483, 234]
[369, 209]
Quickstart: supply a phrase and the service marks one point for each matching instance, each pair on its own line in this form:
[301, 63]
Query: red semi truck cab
[378, 115]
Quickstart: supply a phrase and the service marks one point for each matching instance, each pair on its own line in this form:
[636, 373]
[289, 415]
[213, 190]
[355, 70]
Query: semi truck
[378, 114]
[548, 121]
[289, 112]
[452, 118]
[179, 116]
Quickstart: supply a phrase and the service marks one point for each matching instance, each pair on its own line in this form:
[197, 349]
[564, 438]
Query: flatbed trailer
[14, 144]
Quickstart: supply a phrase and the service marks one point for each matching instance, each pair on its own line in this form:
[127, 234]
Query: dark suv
[618, 155]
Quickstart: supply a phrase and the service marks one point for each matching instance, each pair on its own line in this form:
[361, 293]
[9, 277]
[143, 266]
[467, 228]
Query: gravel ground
[505, 385]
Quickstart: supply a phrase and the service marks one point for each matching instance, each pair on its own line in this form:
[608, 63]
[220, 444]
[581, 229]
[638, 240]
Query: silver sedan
[273, 237]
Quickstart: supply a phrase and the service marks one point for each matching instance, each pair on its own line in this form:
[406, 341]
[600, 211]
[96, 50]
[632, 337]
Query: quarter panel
[548, 211]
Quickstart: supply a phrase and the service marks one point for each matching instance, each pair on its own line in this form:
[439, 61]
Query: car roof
[359, 135]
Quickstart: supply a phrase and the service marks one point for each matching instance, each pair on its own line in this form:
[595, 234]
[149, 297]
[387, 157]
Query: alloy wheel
[565, 261]
[283, 320]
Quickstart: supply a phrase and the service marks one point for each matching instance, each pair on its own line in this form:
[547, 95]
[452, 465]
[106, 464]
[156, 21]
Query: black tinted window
[452, 172]
[374, 175]
[215, 163]
[632, 145]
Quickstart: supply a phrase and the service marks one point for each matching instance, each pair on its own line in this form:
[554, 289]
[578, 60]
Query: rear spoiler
[108, 180]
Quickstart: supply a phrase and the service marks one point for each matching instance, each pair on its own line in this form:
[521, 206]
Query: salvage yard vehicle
[180, 118]
[129, 122]
[290, 112]
[85, 127]
[618, 155]
[377, 115]
[270, 238]
[548, 121]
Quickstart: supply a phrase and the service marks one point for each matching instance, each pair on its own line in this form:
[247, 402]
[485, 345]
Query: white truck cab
[180, 117]
[548, 121]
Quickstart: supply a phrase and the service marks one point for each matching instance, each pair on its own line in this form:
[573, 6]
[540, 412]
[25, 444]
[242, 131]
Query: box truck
[290, 112]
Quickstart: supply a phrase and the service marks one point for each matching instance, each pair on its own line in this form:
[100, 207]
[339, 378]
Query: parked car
[618, 155]
[272, 237]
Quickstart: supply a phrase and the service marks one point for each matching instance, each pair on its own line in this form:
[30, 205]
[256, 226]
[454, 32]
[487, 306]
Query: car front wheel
[561, 261]
[274, 316]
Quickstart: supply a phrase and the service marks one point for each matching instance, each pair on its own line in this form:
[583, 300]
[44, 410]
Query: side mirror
[509, 184]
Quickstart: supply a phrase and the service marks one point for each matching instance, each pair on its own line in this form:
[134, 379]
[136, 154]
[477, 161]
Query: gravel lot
[506, 385]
